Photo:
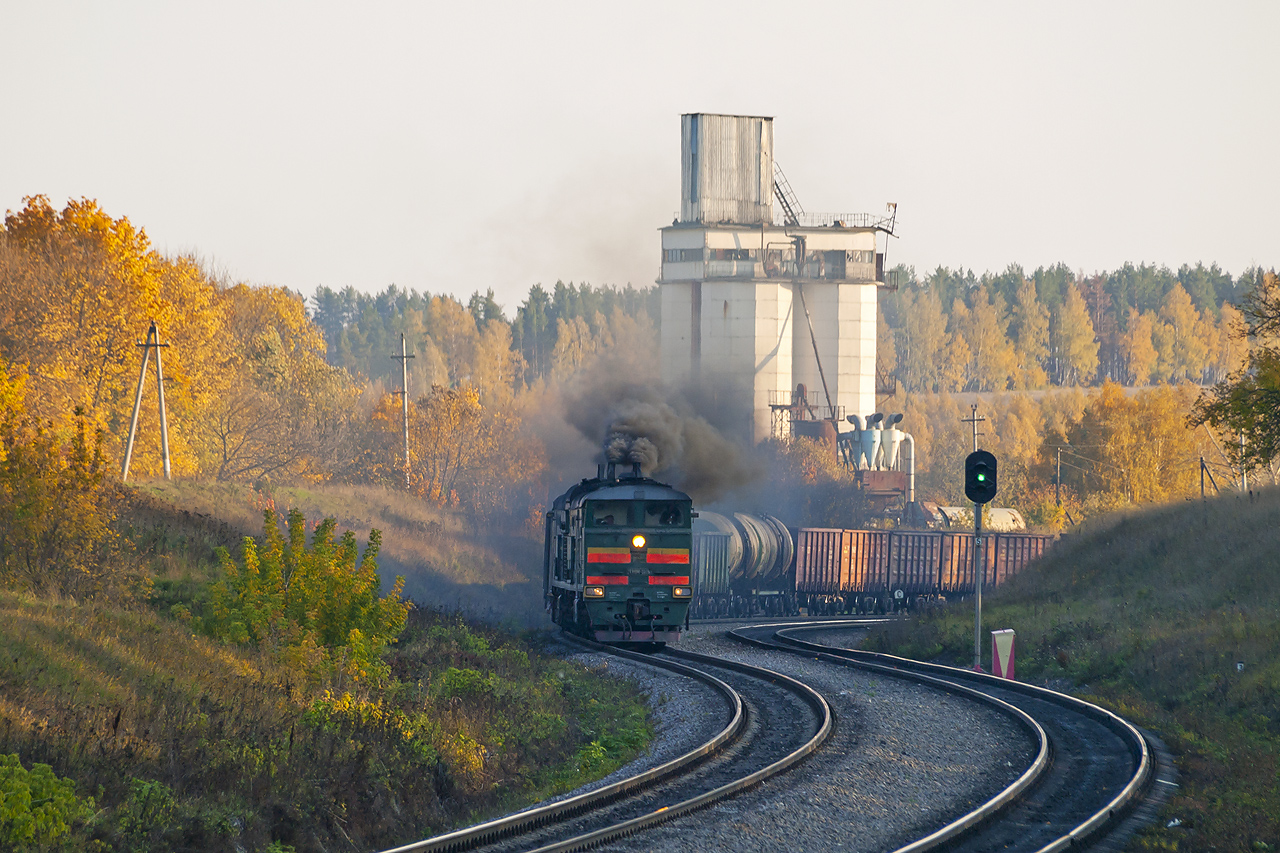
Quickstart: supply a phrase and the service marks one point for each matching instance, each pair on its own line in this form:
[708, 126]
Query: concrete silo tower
[758, 301]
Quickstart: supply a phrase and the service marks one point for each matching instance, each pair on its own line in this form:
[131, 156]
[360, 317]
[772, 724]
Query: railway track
[764, 736]
[1101, 766]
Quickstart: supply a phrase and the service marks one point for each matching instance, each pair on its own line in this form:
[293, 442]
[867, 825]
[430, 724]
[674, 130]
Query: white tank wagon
[742, 564]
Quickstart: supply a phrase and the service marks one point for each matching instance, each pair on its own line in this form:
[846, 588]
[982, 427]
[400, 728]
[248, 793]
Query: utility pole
[1244, 467]
[974, 419]
[403, 358]
[979, 570]
[153, 342]
[1057, 479]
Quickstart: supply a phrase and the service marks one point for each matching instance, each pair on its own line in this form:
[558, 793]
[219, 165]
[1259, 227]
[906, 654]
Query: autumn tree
[57, 506]
[993, 365]
[77, 291]
[462, 453]
[1229, 345]
[1075, 351]
[1135, 449]
[499, 370]
[1248, 402]
[1184, 349]
[1029, 329]
[282, 409]
[920, 339]
[1137, 348]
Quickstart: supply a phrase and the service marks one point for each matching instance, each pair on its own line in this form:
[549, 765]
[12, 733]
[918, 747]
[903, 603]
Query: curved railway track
[1100, 765]
[761, 739]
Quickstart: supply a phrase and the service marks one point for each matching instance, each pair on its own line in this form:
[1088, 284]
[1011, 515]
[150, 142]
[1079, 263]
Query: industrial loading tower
[752, 308]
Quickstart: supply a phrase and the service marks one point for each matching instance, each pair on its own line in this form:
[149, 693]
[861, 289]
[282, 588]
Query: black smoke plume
[661, 431]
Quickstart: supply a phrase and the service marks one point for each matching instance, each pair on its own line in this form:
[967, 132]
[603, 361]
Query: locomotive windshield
[665, 514]
[609, 513]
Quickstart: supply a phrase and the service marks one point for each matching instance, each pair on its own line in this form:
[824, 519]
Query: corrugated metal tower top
[726, 168]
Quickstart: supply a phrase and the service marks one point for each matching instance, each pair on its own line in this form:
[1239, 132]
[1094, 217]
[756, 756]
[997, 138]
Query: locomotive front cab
[628, 542]
[637, 567]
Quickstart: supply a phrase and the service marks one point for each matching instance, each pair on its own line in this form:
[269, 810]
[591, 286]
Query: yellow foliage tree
[1138, 448]
[56, 505]
[1137, 348]
[461, 452]
[992, 364]
[1186, 345]
[77, 291]
[281, 410]
[246, 384]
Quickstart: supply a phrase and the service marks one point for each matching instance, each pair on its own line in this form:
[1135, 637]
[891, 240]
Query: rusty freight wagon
[865, 571]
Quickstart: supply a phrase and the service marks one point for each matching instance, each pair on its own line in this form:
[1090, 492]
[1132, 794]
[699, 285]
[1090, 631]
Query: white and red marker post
[1002, 653]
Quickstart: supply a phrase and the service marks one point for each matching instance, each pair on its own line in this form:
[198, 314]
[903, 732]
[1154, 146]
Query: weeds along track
[775, 722]
[1093, 767]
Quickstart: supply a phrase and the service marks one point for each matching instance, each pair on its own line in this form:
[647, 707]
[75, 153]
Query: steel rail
[1009, 794]
[1137, 744]
[810, 696]
[523, 821]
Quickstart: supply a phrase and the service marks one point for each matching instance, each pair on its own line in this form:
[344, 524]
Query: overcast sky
[463, 146]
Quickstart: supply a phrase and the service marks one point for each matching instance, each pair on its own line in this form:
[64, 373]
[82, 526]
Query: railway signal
[980, 480]
[980, 484]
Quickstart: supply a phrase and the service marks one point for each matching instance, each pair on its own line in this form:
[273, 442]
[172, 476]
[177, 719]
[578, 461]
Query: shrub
[37, 809]
[317, 605]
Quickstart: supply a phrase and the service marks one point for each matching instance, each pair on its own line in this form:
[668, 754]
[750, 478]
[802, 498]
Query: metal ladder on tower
[791, 209]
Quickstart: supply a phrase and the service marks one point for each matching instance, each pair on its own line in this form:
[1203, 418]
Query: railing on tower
[787, 407]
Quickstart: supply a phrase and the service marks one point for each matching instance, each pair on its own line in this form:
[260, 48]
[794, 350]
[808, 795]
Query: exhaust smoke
[664, 434]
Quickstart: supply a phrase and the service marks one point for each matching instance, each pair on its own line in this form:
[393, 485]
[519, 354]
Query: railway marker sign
[1002, 653]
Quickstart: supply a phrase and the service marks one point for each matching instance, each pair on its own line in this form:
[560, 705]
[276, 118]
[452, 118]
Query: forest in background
[264, 386]
[954, 331]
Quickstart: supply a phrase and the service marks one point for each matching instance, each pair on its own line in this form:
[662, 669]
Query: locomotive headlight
[681, 591]
[593, 592]
[637, 541]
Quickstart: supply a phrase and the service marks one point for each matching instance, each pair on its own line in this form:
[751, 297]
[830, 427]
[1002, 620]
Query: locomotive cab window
[609, 514]
[665, 514]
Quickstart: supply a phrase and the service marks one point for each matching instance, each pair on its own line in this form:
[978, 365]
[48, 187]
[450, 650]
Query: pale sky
[462, 146]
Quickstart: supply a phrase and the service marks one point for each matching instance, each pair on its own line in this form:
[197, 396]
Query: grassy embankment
[184, 742]
[1152, 613]
[446, 559]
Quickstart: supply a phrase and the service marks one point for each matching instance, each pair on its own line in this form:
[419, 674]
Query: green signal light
[982, 477]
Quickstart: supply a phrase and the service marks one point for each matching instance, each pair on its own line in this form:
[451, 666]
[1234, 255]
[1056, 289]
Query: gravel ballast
[904, 761]
[686, 713]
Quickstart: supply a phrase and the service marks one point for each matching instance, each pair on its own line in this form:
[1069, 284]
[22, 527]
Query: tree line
[456, 342]
[261, 385]
[953, 330]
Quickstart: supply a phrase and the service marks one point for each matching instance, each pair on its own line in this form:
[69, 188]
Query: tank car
[616, 558]
[743, 565]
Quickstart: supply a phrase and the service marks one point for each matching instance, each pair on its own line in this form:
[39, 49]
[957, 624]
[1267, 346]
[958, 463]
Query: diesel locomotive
[616, 558]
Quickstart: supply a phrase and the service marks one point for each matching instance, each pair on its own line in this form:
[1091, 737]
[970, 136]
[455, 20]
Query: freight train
[755, 565]
[880, 571]
[626, 559]
[616, 558]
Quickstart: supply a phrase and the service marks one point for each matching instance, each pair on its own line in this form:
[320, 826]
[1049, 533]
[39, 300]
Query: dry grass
[445, 558]
[188, 743]
[1170, 615]
[123, 701]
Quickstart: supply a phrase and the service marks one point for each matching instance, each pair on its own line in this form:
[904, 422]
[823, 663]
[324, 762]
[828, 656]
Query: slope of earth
[166, 738]
[448, 560]
[1169, 615]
